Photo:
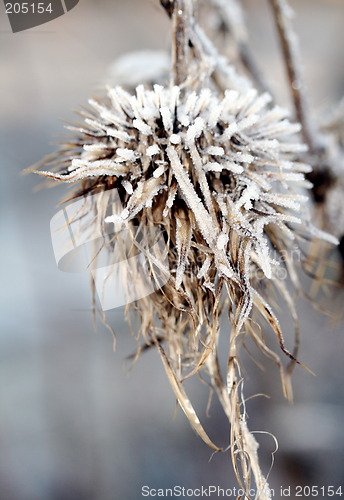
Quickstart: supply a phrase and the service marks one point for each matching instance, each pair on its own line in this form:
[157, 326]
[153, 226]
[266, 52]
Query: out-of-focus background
[75, 422]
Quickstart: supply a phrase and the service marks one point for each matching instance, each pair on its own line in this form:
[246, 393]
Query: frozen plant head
[221, 174]
[221, 178]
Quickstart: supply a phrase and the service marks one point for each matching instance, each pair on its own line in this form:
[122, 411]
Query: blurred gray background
[75, 422]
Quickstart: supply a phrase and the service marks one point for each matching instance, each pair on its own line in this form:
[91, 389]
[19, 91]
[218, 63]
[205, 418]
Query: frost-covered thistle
[221, 175]
[221, 179]
[218, 169]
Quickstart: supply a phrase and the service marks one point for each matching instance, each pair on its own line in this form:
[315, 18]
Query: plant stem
[293, 66]
[232, 16]
[180, 41]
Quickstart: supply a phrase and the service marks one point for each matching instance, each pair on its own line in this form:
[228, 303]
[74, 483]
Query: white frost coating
[259, 103]
[318, 233]
[126, 154]
[167, 119]
[247, 122]
[174, 100]
[119, 134]
[251, 192]
[128, 187]
[170, 199]
[190, 103]
[201, 214]
[159, 96]
[195, 130]
[140, 97]
[183, 240]
[203, 182]
[175, 139]
[124, 214]
[264, 260]
[233, 167]
[142, 127]
[301, 167]
[215, 151]
[95, 147]
[287, 147]
[288, 176]
[222, 241]
[230, 130]
[205, 267]
[142, 196]
[230, 99]
[153, 150]
[202, 102]
[288, 201]
[213, 166]
[214, 115]
[81, 169]
[159, 171]
[244, 157]
[266, 144]
[225, 271]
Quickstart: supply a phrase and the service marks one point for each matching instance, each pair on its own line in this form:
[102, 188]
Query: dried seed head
[221, 178]
[232, 161]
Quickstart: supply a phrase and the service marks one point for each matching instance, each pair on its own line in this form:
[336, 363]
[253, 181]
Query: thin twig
[232, 17]
[292, 60]
[180, 41]
[220, 67]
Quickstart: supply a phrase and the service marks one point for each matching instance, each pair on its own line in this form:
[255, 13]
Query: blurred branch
[292, 60]
[233, 20]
